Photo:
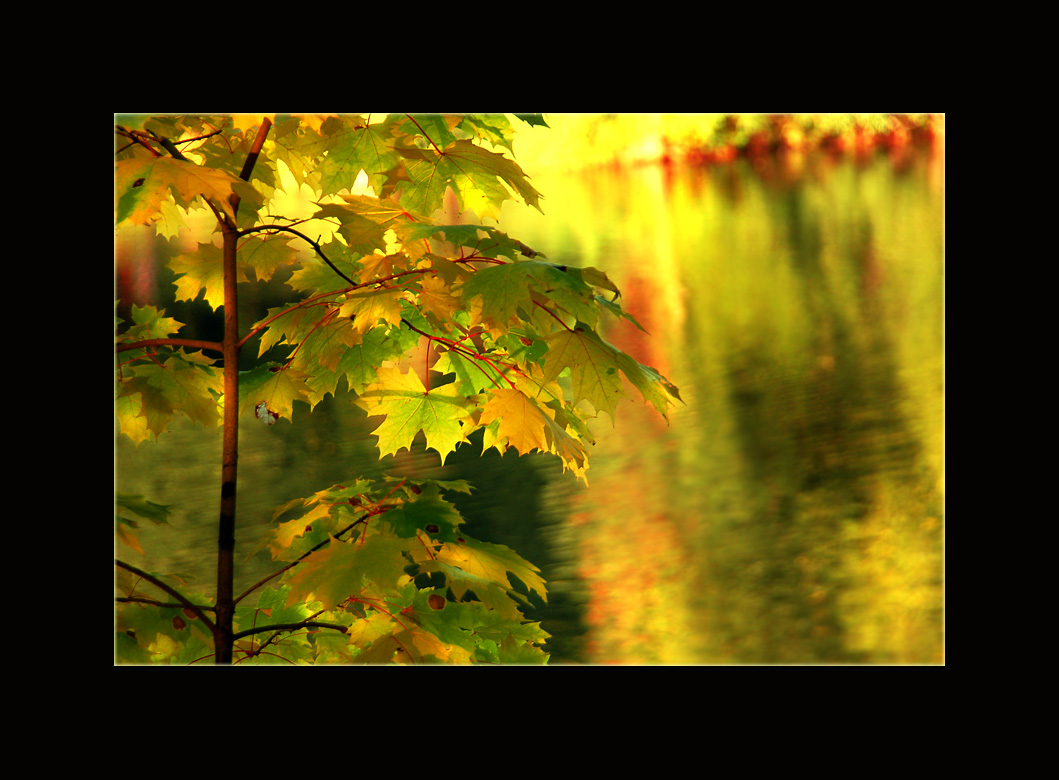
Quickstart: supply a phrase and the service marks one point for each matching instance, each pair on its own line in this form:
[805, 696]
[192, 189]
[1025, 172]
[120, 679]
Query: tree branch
[424, 132]
[171, 591]
[261, 326]
[289, 627]
[303, 237]
[214, 346]
[251, 159]
[157, 603]
[363, 518]
[136, 138]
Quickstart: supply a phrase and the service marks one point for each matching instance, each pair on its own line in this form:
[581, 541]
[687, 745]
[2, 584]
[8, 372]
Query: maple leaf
[354, 145]
[593, 367]
[367, 307]
[410, 408]
[181, 382]
[201, 269]
[483, 240]
[142, 184]
[131, 422]
[428, 510]
[477, 175]
[522, 421]
[364, 221]
[493, 128]
[330, 575]
[502, 288]
[568, 448]
[380, 266]
[277, 388]
[492, 562]
[437, 299]
[149, 322]
[359, 361]
[654, 387]
[265, 255]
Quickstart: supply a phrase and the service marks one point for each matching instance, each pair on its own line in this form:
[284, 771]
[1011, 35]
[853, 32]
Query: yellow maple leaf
[367, 307]
[435, 297]
[522, 421]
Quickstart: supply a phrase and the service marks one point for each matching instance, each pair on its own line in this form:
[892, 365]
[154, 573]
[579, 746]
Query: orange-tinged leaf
[435, 297]
[522, 421]
[142, 184]
[367, 307]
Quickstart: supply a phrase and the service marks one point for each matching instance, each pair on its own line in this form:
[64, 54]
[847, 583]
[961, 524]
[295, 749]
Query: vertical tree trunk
[222, 638]
[222, 634]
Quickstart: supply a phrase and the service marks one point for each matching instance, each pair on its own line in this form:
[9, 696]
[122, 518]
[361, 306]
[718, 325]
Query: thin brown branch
[461, 350]
[168, 589]
[315, 245]
[136, 138]
[251, 160]
[289, 627]
[261, 326]
[362, 519]
[424, 132]
[214, 346]
[157, 603]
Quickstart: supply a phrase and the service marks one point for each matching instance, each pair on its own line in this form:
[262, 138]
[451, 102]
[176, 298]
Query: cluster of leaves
[377, 572]
[508, 342]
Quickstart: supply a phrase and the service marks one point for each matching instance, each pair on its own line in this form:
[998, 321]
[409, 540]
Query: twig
[288, 627]
[424, 132]
[157, 603]
[363, 518]
[214, 346]
[171, 591]
[315, 245]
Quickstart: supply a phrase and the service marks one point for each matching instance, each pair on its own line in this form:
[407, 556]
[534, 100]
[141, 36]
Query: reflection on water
[792, 510]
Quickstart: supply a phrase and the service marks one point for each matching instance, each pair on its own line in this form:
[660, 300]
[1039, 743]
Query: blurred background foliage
[790, 270]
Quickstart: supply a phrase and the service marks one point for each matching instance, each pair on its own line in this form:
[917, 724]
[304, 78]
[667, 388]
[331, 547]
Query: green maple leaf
[409, 408]
[426, 510]
[593, 367]
[491, 562]
[341, 569]
[511, 652]
[354, 145]
[494, 128]
[364, 221]
[148, 322]
[503, 290]
[278, 388]
[483, 240]
[506, 288]
[359, 361]
[655, 388]
[480, 179]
